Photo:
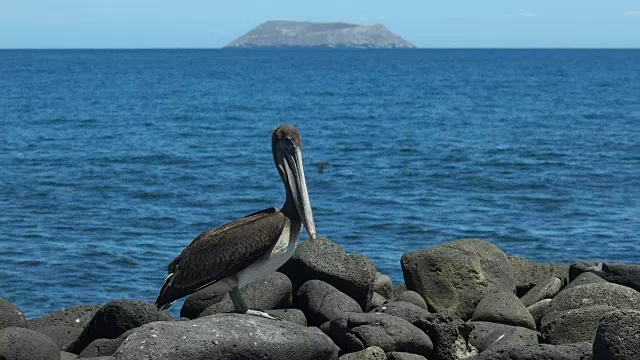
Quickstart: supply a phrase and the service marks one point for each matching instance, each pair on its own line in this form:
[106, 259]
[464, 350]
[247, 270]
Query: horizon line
[323, 48]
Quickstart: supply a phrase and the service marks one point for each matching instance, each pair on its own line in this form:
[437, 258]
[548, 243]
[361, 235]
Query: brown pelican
[223, 259]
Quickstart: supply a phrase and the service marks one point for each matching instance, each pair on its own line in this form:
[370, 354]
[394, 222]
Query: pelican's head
[287, 154]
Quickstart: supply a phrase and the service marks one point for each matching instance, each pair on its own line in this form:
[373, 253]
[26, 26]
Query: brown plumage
[220, 252]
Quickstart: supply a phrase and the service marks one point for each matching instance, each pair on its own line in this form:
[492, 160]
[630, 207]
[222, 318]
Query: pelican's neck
[289, 207]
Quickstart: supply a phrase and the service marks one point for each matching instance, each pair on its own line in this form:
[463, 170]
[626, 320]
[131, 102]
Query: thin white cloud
[632, 13]
[528, 14]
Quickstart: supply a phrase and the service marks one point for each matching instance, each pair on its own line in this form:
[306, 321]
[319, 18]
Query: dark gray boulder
[539, 310]
[377, 300]
[125, 334]
[10, 315]
[295, 316]
[450, 336]
[61, 335]
[228, 336]
[322, 259]
[272, 292]
[356, 332]
[530, 274]
[398, 289]
[544, 290]
[397, 355]
[76, 316]
[488, 335]
[454, 277]
[403, 310]
[18, 343]
[571, 326]
[196, 303]
[622, 274]
[67, 355]
[584, 279]
[504, 308]
[411, 297]
[579, 351]
[605, 293]
[383, 285]
[618, 336]
[101, 347]
[579, 267]
[322, 302]
[370, 353]
[116, 317]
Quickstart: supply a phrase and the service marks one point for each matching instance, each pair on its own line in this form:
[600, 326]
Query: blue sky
[213, 23]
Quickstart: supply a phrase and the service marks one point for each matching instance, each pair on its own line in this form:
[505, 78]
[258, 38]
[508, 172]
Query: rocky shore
[461, 300]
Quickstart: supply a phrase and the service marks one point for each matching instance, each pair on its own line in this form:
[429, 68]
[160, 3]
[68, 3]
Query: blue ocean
[112, 161]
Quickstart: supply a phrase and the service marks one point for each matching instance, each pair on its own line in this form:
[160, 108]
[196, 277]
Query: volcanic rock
[544, 290]
[584, 279]
[295, 316]
[272, 292]
[449, 336]
[579, 267]
[454, 277]
[216, 336]
[530, 274]
[489, 335]
[10, 315]
[398, 289]
[377, 300]
[76, 316]
[605, 293]
[196, 303]
[322, 302]
[618, 336]
[411, 297]
[504, 308]
[101, 347]
[67, 355]
[572, 326]
[356, 332]
[18, 343]
[116, 317]
[397, 355]
[383, 286]
[370, 353]
[322, 259]
[622, 274]
[539, 310]
[579, 351]
[64, 336]
[403, 310]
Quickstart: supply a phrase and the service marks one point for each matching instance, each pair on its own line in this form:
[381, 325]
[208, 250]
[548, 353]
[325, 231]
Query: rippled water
[113, 161]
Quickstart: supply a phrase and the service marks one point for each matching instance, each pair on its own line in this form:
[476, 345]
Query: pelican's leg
[238, 301]
[242, 308]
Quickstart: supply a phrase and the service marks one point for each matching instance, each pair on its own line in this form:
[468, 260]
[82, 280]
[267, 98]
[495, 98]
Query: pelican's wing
[218, 253]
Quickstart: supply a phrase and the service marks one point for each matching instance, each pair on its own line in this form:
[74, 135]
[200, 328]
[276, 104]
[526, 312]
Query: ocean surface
[112, 161]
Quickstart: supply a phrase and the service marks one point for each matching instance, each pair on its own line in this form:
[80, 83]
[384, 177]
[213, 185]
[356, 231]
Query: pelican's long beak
[291, 161]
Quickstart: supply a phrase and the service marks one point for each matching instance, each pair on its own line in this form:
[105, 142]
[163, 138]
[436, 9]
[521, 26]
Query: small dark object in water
[321, 165]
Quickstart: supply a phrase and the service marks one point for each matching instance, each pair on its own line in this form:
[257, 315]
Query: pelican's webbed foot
[261, 314]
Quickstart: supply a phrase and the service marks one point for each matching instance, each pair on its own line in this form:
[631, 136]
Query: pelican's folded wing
[221, 252]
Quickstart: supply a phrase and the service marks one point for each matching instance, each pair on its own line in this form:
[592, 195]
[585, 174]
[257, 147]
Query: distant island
[298, 34]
